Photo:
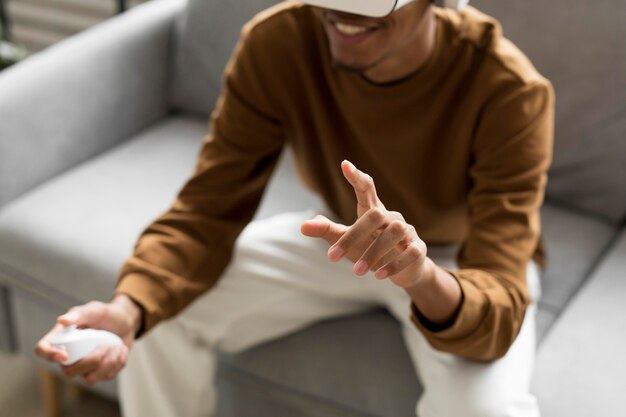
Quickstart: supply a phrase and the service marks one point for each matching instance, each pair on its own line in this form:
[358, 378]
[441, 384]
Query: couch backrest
[208, 33]
[578, 44]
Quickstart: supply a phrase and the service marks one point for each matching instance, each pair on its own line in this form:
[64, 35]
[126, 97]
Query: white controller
[78, 343]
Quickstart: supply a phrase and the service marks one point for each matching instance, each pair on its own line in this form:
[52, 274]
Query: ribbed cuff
[468, 318]
[149, 295]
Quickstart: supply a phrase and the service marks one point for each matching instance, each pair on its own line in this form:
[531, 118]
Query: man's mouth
[350, 26]
[352, 30]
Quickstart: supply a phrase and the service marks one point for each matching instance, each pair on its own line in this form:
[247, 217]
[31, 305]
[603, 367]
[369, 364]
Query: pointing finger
[363, 185]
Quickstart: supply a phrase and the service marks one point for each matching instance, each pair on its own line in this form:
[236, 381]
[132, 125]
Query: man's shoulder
[501, 58]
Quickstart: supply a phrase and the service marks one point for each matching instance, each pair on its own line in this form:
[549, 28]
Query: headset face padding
[376, 8]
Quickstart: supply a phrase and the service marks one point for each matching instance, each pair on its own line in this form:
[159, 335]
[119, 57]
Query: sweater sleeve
[512, 150]
[184, 251]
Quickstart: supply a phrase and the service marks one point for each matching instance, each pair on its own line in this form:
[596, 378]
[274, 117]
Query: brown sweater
[460, 148]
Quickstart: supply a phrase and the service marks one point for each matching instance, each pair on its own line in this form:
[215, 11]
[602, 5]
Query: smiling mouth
[351, 30]
[350, 25]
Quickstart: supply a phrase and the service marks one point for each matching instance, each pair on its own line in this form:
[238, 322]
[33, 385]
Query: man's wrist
[437, 294]
[133, 309]
[426, 279]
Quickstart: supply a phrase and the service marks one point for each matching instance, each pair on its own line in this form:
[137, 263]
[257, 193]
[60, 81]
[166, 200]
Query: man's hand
[121, 316]
[380, 240]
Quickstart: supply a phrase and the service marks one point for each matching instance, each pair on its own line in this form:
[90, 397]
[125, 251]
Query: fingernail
[381, 273]
[335, 252]
[361, 267]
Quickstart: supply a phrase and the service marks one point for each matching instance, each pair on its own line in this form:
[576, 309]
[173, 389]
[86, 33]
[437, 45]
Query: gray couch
[98, 133]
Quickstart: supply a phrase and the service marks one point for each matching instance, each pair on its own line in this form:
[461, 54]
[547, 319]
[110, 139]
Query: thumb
[324, 228]
[86, 315]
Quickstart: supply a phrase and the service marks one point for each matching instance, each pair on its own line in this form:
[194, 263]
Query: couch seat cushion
[574, 243]
[68, 237]
[356, 363]
[581, 370]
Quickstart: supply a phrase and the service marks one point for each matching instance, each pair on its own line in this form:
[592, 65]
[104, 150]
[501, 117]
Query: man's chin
[355, 68]
[349, 68]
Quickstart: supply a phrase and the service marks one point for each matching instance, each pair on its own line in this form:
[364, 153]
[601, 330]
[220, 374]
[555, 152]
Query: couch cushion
[378, 379]
[581, 370]
[580, 46]
[210, 30]
[242, 394]
[574, 242]
[67, 238]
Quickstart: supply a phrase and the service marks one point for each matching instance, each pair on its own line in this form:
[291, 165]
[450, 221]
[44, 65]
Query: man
[424, 131]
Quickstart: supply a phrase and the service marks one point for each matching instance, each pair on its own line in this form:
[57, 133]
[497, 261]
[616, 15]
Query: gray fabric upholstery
[580, 46]
[249, 396]
[574, 242]
[109, 82]
[317, 366]
[545, 320]
[205, 46]
[581, 368]
[77, 243]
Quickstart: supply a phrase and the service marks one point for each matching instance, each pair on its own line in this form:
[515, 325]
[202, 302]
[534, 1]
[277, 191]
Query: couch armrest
[72, 101]
[581, 367]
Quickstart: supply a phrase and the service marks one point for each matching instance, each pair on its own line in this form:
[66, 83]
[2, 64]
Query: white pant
[280, 281]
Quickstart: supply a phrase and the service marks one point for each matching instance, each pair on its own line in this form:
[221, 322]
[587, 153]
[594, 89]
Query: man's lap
[279, 282]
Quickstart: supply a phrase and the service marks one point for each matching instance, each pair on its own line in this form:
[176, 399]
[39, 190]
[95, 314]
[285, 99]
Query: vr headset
[376, 8]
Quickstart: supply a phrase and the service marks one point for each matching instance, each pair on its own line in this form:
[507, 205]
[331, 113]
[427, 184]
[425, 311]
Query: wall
[37, 24]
